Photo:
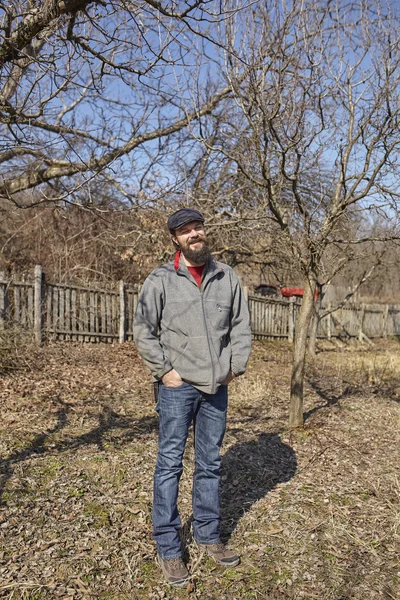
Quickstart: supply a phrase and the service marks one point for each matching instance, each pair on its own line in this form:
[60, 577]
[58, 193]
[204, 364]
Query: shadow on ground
[126, 430]
[249, 471]
[387, 391]
[329, 396]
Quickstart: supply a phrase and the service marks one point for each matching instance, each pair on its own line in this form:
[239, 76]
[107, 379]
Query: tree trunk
[312, 338]
[312, 333]
[296, 418]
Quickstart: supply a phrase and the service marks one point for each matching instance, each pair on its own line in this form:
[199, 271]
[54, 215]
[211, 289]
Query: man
[192, 330]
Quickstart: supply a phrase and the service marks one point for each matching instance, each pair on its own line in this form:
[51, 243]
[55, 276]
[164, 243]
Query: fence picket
[67, 315]
[113, 314]
[55, 310]
[91, 315]
[84, 316]
[108, 316]
[49, 305]
[96, 316]
[74, 324]
[103, 314]
[122, 312]
[61, 307]
[29, 309]
[17, 308]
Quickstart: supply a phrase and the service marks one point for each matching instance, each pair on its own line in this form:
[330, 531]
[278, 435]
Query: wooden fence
[68, 312]
[276, 318]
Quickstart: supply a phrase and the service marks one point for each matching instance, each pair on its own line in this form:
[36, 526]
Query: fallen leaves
[314, 513]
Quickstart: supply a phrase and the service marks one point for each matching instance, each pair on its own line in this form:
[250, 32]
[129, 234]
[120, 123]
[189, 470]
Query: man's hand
[172, 379]
[230, 377]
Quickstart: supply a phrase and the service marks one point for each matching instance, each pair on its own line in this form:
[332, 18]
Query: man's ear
[175, 240]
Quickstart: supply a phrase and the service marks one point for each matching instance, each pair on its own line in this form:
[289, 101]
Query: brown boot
[221, 554]
[174, 570]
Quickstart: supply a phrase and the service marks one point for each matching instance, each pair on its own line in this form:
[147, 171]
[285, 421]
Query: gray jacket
[202, 333]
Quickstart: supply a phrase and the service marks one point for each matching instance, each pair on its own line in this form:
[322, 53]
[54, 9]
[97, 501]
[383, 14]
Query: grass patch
[97, 514]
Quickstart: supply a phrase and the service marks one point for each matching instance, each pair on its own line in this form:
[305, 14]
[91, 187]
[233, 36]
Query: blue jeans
[176, 408]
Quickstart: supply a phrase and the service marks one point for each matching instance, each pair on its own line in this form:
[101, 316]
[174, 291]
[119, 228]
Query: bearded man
[192, 330]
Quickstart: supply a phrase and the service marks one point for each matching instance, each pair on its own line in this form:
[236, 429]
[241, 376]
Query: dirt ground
[314, 513]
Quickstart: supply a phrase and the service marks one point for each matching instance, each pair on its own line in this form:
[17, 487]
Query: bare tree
[370, 259]
[95, 89]
[314, 128]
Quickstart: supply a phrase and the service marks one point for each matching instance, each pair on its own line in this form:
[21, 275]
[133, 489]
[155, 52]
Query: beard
[197, 255]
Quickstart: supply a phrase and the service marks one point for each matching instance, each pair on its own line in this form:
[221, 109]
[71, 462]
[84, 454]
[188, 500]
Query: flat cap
[183, 216]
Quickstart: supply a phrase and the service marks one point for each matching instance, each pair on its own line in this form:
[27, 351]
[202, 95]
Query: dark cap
[183, 216]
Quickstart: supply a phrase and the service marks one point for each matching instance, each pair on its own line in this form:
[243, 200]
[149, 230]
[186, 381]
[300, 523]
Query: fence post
[291, 320]
[246, 293]
[122, 313]
[360, 323]
[38, 304]
[329, 324]
[3, 300]
[385, 322]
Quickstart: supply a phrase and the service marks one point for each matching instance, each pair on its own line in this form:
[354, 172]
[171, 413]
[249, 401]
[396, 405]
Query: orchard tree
[314, 128]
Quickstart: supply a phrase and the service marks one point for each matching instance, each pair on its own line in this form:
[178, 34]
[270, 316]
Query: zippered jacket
[202, 333]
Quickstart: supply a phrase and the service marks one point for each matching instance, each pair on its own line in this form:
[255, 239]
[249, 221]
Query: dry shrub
[78, 246]
[17, 349]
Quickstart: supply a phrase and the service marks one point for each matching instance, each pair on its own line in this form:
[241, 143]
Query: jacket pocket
[221, 316]
[175, 387]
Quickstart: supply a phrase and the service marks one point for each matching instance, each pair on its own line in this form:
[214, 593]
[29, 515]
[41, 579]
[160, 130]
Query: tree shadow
[108, 421]
[331, 399]
[388, 392]
[249, 471]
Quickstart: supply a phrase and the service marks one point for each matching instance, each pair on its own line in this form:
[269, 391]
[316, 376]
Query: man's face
[192, 241]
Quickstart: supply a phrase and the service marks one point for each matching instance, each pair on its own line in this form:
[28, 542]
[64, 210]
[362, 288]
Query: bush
[17, 349]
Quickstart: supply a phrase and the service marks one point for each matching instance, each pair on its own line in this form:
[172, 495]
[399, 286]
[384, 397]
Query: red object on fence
[287, 292]
[266, 289]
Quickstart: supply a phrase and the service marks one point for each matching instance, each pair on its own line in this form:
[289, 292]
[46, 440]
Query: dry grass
[16, 345]
[315, 513]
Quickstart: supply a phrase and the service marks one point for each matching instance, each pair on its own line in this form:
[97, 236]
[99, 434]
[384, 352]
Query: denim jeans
[176, 408]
